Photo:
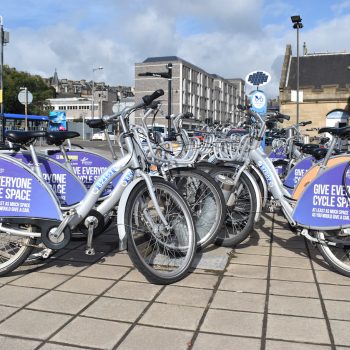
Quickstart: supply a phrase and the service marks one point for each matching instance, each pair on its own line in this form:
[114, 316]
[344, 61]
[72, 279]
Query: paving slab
[19, 296]
[300, 329]
[239, 301]
[91, 332]
[18, 344]
[133, 290]
[247, 271]
[85, 285]
[288, 305]
[340, 330]
[233, 323]
[6, 311]
[105, 271]
[287, 345]
[172, 316]
[142, 338]
[242, 285]
[45, 324]
[215, 342]
[290, 274]
[116, 309]
[62, 302]
[338, 310]
[194, 296]
[40, 280]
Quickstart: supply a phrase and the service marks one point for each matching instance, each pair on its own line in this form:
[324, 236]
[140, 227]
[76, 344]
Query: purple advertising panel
[276, 154]
[298, 171]
[324, 203]
[88, 167]
[22, 194]
[69, 190]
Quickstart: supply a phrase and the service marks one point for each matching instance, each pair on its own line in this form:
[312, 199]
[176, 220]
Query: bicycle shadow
[273, 229]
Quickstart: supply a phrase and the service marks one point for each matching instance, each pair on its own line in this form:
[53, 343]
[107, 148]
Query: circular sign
[258, 100]
[258, 78]
[22, 97]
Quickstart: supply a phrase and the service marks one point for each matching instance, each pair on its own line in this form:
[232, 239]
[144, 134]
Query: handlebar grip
[148, 99]
[308, 122]
[283, 116]
[188, 115]
[96, 123]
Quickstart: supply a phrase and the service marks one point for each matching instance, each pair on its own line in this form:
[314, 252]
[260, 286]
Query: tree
[13, 80]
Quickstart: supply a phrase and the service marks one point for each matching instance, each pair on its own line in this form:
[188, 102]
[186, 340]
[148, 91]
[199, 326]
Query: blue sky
[226, 37]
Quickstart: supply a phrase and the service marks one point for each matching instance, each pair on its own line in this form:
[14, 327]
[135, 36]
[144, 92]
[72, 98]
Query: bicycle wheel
[206, 201]
[338, 257]
[162, 254]
[14, 250]
[239, 221]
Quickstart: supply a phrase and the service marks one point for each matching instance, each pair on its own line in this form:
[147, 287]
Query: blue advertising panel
[69, 190]
[324, 203]
[22, 194]
[258, 101]
[57, 121]
[277, 154]
[298, 171]
[88, 167]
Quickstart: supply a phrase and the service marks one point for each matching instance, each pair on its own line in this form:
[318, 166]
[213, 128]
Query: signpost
[257, 97]
[25, 97]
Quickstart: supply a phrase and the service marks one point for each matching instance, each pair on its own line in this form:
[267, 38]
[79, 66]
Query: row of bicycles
[170, 197]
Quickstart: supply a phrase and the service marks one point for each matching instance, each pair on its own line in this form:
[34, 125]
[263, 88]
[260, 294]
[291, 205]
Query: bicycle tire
[162, 256]
[337, 258]
[206, 201]
[8, 245]
[240, 217]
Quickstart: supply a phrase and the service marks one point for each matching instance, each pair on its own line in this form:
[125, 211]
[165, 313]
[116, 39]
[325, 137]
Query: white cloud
[231, 38]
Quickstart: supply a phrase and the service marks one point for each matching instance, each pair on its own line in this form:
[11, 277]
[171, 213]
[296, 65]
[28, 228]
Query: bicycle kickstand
[91, 222]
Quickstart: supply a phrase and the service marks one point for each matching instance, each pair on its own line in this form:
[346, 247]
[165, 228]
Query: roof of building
[320, 69]
[162, 59]
[176, 58]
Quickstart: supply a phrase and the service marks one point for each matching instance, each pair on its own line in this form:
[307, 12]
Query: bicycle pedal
[90, 251]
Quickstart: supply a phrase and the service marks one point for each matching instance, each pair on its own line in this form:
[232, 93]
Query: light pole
[92, 91]
[296, 20]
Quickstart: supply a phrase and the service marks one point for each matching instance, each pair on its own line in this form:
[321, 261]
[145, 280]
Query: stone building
[208, 96]
[75, 97]
[324, 79]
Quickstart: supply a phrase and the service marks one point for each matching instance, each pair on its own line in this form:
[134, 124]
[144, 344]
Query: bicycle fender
[121, 213]
[258, 195]
[263, 182]
[256, 189]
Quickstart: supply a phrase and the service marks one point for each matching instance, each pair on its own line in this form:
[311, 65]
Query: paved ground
[274, 293]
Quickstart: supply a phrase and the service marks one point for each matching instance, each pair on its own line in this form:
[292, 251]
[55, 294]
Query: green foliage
[13, 80]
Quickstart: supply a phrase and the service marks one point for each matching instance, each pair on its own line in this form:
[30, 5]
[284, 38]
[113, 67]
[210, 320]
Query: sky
[230, 38]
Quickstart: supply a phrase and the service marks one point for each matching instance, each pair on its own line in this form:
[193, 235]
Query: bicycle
[154, 221]
[319, 207]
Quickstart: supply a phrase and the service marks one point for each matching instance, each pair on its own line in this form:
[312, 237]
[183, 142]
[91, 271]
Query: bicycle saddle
[343, 132]
[23, 137]
[58, 137]
[309, 148]
[319, 153]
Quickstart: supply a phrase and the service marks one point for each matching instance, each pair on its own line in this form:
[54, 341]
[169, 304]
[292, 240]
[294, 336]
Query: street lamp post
[296, 20]
[92, 92]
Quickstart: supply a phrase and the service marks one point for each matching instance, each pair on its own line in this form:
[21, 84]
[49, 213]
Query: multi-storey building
[208, 96]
